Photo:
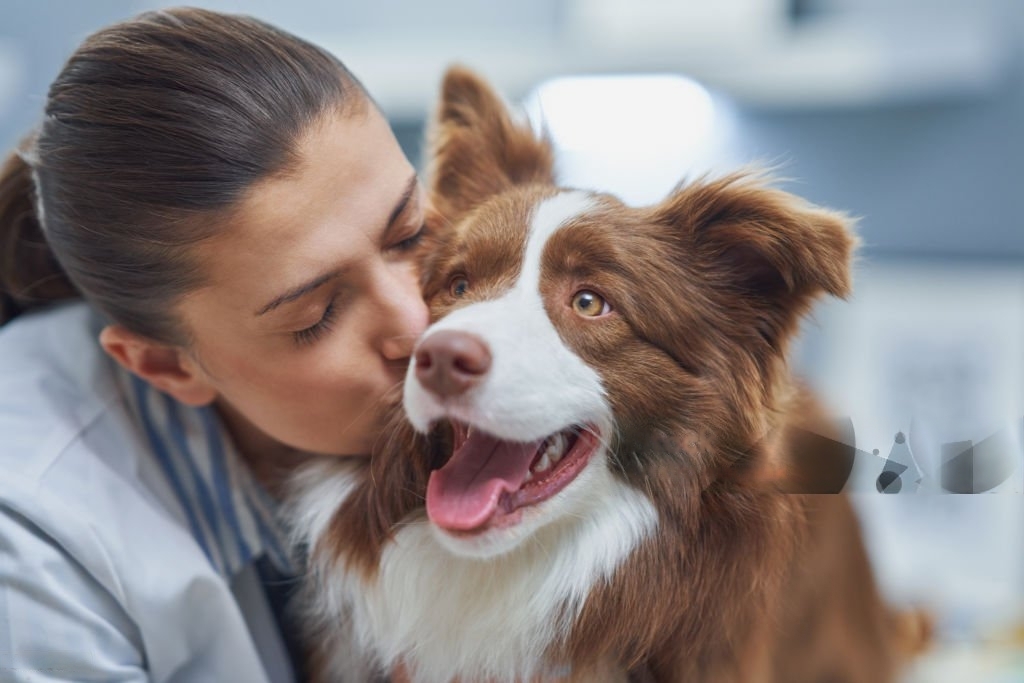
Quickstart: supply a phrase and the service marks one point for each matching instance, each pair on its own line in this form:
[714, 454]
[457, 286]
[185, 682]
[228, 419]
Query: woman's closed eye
[410, 243]
[311, 334]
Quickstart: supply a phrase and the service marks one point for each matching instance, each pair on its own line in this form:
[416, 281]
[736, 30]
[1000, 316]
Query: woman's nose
[403, 312]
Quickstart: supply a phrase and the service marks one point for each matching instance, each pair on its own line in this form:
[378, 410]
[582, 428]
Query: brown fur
[741, 582]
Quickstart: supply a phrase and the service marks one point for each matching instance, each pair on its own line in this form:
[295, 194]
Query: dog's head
[577, 340]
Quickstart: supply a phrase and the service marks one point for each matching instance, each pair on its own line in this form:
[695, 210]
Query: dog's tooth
[553, 449]
[529, 477]
[557, 448]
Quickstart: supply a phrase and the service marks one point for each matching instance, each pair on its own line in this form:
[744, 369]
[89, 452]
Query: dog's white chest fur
[449, 616]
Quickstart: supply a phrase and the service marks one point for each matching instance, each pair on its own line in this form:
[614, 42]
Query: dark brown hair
[151, 134]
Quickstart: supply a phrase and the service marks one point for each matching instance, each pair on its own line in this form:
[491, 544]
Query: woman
[241, 224]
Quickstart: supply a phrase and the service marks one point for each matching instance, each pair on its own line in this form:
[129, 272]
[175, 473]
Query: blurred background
[907, 114]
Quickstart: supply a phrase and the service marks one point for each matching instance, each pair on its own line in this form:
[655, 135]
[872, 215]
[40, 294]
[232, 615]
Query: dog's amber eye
[589, 304]
[458, 286]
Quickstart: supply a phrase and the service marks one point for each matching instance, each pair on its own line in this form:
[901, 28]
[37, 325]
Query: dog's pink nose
[449, 363]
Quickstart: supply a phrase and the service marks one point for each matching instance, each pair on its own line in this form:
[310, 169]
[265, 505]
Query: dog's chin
[503, 534]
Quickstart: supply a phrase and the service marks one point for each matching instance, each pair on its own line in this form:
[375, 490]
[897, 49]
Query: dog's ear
[767, 254]
[477, 149]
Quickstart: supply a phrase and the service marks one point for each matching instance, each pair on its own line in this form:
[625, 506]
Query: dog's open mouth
[487, 481]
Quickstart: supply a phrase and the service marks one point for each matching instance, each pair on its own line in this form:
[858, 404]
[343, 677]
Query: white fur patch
[316, 491]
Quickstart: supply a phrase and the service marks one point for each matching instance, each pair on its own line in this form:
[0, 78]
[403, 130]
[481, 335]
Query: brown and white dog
[581, 485]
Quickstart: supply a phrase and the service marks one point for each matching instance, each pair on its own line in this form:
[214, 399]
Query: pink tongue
[464, 494]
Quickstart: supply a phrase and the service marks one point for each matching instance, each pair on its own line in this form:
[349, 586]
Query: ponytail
[30, 276]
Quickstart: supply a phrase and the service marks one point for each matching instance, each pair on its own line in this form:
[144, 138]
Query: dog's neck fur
[636, 565]
[509, 609]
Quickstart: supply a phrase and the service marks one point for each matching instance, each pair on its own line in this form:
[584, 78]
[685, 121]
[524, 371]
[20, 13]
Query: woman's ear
[168, 368]
[477, 150]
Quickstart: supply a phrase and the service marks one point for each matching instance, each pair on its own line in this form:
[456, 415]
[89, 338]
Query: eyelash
[409, 243]
[319, 328]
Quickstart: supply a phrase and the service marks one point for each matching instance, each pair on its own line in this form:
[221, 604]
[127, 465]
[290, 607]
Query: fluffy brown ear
[767, 253]
[477, 150]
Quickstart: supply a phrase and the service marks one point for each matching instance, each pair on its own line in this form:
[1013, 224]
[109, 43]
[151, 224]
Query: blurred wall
[940, 176]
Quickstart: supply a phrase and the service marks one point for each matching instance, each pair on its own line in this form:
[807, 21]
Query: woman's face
[313, 301]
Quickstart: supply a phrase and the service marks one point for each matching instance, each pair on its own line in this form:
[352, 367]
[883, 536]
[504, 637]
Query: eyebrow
[304, 289]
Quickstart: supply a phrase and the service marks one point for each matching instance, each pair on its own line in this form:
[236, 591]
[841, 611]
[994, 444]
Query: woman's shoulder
[71, 453]
[55, 351]
[55, 383]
